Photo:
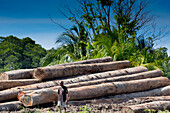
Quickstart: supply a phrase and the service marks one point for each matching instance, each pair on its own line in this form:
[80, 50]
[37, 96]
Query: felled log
[157, 105]
[117, 88]
[10, 106]
[70, 70]
[39, 97]
[163, 91]
[13, 92]
[94, 91]
[6, 84]
[98, 80]
[107, 74]
[148, 74]
[17, 74]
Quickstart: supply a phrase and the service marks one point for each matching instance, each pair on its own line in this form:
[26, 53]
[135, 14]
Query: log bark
[13, 92]
[11, 106]
[6, 84]
[107, 74]
[17, 74]
[163, 91]
[93, 80]
[100, 90]
[157, 105]
[70, 70]
[38, 97]
[117, 88]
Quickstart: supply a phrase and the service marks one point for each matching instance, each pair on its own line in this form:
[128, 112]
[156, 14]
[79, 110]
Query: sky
[30, 18]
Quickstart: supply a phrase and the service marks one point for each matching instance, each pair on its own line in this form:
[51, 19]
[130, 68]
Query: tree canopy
[18, 53]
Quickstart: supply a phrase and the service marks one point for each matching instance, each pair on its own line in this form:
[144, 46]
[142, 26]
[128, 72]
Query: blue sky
[29, 18]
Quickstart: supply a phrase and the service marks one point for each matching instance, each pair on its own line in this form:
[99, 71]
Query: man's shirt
[62, 91]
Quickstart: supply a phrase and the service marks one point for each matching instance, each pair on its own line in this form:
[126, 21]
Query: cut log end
[26, 101]
[38, 74]
[20, 95]
[4, 76]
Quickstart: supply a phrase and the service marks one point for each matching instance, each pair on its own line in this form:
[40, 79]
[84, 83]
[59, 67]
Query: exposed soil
[105, 105]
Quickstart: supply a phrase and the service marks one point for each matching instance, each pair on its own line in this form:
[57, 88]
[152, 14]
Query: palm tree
[72, 46]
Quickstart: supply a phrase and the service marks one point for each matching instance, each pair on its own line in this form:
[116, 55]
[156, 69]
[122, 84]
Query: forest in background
[122, 29]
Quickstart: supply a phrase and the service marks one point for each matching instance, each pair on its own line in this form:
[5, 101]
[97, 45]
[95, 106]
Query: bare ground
[102, 105]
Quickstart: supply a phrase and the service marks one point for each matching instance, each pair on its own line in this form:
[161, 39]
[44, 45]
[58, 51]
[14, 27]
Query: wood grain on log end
[26, 100]
[38, 73]
[20, 95]
[4, 76]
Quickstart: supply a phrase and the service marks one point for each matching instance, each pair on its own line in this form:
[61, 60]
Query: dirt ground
[102, 105]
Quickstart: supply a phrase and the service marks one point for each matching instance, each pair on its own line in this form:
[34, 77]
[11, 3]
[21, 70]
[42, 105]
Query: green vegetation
[111, 28]
[18, 53]
[85, 109]
[154, 111]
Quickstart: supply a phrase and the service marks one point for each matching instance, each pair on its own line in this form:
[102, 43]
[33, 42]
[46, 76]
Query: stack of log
[86, 79]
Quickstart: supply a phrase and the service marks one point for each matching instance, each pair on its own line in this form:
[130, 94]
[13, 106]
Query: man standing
[62, 96]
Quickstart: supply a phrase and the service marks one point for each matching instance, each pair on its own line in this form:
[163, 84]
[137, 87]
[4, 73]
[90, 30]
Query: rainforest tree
[18, 53]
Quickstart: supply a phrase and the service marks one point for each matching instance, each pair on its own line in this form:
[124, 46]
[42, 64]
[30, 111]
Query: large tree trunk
[94, 91]
[157, 105]
[107, 74]
[117, 88]
[17, 74]
[70, 70]
[38, 97]
[98, 80]
[12, 93]
[163, 91]
[10, 106]
[6, 84]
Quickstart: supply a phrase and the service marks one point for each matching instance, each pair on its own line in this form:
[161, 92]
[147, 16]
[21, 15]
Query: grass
[154, 111]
